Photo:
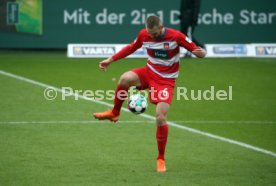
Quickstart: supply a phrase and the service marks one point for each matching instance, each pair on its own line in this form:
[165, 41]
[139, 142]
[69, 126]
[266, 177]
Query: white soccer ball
[137, 103]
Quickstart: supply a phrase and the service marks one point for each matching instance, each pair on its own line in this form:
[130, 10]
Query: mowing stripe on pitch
[137, 121]
[146, 116]
[71, 122]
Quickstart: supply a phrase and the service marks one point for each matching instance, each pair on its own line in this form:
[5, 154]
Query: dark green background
[56, 34]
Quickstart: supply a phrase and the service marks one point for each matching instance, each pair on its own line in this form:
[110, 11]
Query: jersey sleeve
[129, 49]
[185, 42]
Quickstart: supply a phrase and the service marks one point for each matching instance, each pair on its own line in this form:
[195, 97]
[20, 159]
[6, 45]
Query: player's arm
[185, 42]
[105, 63]
[124, 52]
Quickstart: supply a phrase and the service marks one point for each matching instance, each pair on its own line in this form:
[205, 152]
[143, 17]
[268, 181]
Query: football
[137, 103]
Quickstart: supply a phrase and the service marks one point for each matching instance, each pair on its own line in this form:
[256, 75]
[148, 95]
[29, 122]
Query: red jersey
[164, 53]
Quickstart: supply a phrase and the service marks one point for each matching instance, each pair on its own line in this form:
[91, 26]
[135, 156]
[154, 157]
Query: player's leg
[161, 94]
[161, 134]
[127, 80]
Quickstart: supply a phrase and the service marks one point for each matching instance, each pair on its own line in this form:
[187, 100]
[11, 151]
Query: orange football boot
[161, 166]
[106, 115]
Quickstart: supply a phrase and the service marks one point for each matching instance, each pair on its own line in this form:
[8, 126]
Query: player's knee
[160, 118]
[125, 80]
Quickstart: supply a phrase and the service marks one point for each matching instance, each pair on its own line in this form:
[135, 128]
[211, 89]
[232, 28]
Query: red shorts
[160, 89]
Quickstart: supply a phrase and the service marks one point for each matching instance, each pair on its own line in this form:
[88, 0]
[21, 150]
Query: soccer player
[159, 75]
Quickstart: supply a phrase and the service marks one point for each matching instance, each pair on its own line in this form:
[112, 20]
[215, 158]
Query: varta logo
[94, 50]
[266, 50]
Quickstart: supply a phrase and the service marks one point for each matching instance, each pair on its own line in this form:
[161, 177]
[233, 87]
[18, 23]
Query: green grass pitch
[59, 143]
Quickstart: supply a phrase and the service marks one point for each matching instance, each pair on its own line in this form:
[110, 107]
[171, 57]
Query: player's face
[155, 32]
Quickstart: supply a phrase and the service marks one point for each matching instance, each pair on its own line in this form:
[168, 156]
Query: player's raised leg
[127, 80]
[161, 134]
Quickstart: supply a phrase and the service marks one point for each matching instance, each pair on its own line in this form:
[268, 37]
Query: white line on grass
[224, 122]
[146, 116]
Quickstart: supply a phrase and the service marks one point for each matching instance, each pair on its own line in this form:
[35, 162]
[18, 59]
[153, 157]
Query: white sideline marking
[258, 149]
[224, 122]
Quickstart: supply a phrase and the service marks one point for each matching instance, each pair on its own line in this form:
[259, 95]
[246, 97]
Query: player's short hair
[153, 21]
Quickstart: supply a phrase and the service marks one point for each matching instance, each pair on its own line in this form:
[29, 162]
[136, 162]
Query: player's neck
[163, 31]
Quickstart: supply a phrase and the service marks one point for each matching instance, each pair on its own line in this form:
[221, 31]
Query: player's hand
[105, 63]
[199, 52]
